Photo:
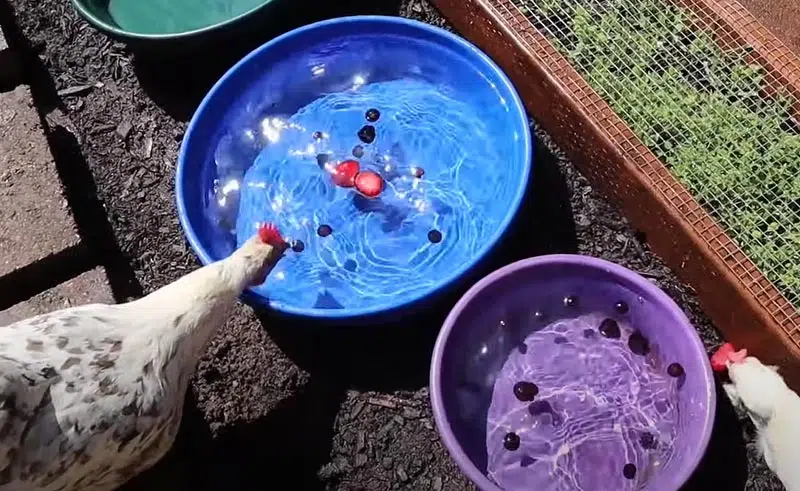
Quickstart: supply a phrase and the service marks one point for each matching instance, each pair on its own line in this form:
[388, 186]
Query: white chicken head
[759, 387]
[256, 257]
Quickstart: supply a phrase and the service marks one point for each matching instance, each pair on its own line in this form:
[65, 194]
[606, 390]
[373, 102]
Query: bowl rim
[458, 45]
[83, 10]
[675, 480]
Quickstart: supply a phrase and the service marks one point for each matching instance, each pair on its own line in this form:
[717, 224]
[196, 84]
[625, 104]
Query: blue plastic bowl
[318, 61]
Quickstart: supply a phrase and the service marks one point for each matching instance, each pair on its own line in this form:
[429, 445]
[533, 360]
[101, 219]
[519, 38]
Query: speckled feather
[92, 395]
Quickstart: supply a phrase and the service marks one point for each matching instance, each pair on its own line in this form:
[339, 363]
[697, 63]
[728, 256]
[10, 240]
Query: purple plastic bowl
[543, 283]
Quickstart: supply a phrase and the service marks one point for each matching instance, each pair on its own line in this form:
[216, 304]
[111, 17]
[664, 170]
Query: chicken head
[757, 386]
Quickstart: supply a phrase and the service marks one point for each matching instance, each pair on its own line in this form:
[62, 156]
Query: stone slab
[89, 287]
[35, 221]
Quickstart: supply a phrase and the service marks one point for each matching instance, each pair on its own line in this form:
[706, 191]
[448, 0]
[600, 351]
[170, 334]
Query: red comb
[269, 234]
[726, 353]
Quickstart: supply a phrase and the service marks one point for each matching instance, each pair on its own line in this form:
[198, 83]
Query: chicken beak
[738, 356]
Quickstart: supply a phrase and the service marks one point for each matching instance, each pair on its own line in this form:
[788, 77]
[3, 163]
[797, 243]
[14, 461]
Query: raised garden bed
[685, 112]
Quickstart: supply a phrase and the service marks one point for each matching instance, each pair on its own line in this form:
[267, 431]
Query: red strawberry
[369, 184]
[344, 174]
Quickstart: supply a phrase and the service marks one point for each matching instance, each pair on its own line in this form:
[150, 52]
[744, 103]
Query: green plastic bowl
[157, 22]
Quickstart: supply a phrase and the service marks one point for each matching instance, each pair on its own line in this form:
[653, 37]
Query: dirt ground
[274, 400]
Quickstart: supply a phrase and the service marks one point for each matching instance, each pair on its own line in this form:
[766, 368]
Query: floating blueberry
[417, 172]
[539, 407]
[610, 329]
[638, 344]
[350, 265]
[322, 159]
[511, 441]
[358, 151]
[367, 134]
[588, 333]
[560, 340]
[324, 230]
[434, 236]
[298, 246]
[525, 391]
[621, 307]
[527, 461]
[647, 440]
[629, 471]
[675, 370]
[372, 115]
[570, 301]
[317, 135]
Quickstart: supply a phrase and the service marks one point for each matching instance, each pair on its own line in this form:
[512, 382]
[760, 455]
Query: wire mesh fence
[698, 99]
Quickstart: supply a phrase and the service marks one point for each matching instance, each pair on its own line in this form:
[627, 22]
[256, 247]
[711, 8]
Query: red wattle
[344, 174]
[369, 184]
[720, 358]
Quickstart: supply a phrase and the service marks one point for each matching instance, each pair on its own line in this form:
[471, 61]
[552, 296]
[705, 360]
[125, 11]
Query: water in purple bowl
[583, 403]
[569, 373]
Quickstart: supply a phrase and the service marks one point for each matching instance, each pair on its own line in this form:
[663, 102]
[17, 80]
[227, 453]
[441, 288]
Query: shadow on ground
[178, 81]
[395, 355]
[90, 214]
[725, 463]
[289, 444]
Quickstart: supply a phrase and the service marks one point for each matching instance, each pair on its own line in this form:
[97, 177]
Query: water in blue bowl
[441, 143]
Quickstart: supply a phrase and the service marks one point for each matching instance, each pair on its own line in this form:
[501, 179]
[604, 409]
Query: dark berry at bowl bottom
[638, 344]
[570, 301]
[372, 115]
[350, 265]
[560, 340]
[324, 230]
[610, 329]
[525, 391]
[629, 471]
[298, 246]
[647, 440]
[511, 441]
[317, 135]
[675, 370]
[434, 236]
[358, 151]
[621, 307]
[527, 461]
[322, 159]
[588, 333]
[539, 407]
[367, 134]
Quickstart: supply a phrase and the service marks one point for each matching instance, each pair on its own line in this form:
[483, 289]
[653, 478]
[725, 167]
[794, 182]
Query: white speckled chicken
[772, 406]
[90, 396]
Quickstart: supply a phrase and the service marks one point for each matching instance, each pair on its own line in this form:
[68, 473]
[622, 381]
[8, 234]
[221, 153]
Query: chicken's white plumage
[90, 396]
[775, 411]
